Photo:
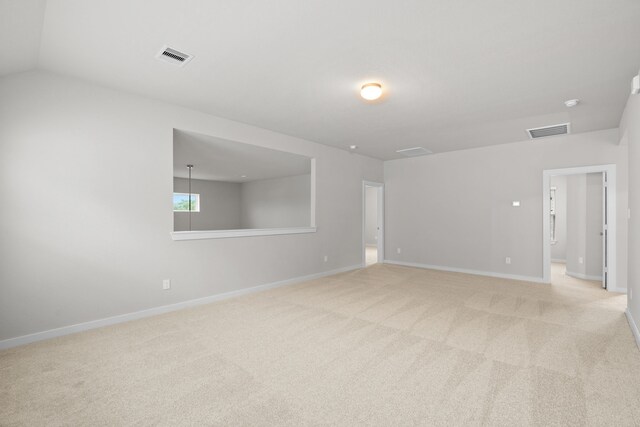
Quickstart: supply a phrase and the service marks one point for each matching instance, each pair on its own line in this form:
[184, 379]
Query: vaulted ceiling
[216, 159]
[456, 74]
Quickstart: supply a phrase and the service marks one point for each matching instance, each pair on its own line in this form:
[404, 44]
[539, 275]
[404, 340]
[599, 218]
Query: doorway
[372, 223]
[579, 226]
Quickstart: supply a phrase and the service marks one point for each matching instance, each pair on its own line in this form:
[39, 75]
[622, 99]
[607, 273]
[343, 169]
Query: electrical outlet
[326, 258]
[166, 284]
[580, 260]
[399, 250]
[507, 260]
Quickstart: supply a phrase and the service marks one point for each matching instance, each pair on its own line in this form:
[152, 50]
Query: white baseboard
[467, 271]
[71, 329]
[583, 276]
[562, 261]
[634, 326]
[620, 290]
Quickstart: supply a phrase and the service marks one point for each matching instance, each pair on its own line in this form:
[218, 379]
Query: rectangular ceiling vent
[543, 132]
[414, 152]
[173, 56]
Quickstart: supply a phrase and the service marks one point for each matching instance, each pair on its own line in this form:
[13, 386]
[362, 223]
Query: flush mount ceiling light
[353, 147]
[571, 102]
[371, 91]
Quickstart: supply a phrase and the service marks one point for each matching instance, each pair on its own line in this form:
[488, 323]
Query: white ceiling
[457, 74]
[217, 159]
[20, 30]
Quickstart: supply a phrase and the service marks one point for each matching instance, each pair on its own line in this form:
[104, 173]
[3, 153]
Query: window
[181, 202]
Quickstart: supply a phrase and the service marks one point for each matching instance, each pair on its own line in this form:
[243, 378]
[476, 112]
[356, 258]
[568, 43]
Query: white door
[605, 231]
[372, 223]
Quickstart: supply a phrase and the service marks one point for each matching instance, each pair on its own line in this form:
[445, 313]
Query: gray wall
[559, 249]
[267, 203]
[277, 202]
[84, 246]
[630, 133]
[454, 209]
[220, 205]
[371, 216]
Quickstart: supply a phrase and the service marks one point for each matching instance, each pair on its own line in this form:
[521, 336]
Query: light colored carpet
[385, 346]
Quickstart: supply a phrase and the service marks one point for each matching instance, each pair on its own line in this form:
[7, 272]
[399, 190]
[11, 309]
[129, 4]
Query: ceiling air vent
[173, 56]
[414, 152]
[561, 129]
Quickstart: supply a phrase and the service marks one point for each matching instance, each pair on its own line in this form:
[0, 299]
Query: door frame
[380, 188]
[610, 170]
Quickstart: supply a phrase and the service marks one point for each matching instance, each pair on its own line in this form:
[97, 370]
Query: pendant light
[190, 167]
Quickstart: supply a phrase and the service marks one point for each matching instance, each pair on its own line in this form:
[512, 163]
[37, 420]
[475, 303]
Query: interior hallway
[371, 254]
[560, 278]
